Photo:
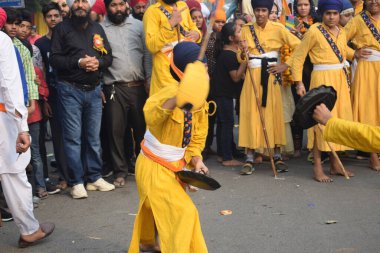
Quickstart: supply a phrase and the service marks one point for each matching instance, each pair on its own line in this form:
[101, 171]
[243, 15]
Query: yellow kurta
[359, 8]
[320, 51]
[163, 201]
[365, 91]
[272, 38]
[159, 33]
[353, 134]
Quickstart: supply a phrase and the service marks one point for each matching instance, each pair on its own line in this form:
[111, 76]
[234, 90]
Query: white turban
[70, 2]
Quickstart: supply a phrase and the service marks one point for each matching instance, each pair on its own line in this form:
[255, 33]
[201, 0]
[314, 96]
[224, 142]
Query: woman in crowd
[228, 77]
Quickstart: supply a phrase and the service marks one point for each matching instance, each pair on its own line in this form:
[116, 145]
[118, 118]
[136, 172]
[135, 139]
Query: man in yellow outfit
[356, 135]
[166, 23]
[174, 139]
[327, 47]
[263, 40]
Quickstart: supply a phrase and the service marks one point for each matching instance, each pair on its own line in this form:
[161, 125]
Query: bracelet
[299, 87]
[24, 133]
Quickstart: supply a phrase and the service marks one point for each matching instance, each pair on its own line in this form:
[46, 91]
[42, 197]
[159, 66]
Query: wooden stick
[335, 155]
[205, 40]
[262, 119]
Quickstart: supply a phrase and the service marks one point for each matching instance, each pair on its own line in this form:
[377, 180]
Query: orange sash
[161, 161]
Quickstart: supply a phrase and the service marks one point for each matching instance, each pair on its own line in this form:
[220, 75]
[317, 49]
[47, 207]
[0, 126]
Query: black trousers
[56, 135]
[125, 111]
[224, 129]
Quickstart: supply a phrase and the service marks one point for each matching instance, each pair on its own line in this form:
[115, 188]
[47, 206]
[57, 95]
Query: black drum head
[198, 180]
[303, 115]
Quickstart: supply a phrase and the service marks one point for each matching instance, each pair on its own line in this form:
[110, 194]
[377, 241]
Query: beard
[138, 16]
[80, 20]
[170, 2]
[117, 18]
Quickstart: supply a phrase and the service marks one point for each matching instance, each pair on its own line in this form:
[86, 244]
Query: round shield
[198, 180]
[303, 115]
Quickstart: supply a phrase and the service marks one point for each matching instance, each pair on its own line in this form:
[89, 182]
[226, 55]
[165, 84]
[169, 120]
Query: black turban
[262, 4]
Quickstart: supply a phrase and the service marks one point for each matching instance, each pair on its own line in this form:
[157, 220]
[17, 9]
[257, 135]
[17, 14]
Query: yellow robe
[272, 38]
[365, 90]
[159, 33]
[359, 8]
[353, 134]
[320, 51]
[163, 201]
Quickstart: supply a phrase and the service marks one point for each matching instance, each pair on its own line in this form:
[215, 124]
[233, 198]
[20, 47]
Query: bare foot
[323, 178]
[232, 163]
[297, 153]
[219, 159]
[149, 248]
[336, 170]
[374, 162]
[320, 176]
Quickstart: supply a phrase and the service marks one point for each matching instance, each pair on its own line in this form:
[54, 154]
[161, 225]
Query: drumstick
[262, 120]
[335, 155]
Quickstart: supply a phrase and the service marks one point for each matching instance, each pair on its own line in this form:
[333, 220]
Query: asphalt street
[269, 215]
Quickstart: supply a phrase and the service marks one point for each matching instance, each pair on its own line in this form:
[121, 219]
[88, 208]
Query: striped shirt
[28, 68]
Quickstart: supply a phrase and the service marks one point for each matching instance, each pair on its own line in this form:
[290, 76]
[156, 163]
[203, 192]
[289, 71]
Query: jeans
[36, 161]
[224, 128]
[81, 114]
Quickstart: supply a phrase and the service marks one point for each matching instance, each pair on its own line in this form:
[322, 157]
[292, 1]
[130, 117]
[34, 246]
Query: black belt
[84, 87]
[265, 77]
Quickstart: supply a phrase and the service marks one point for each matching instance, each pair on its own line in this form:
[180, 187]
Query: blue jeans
[36, 161]
[81, 114]
[224, 128]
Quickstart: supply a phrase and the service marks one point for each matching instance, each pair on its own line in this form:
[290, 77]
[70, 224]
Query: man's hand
[192, 35]
[362, 54]
[322, 114]
[176, 16]
[301, 91]
[32, 106]
[103, 97]
[147, 85]
[47, 110]
[198, 165]
[22, 142]
[89, 63]
[277, 68]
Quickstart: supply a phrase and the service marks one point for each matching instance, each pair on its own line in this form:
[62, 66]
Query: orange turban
[220, 15]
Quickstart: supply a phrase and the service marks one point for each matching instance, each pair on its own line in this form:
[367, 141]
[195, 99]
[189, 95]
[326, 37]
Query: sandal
[119, 182]
[247, 168]
[281, 167]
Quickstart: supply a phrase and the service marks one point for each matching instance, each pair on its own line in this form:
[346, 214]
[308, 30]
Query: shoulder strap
[370, 26]
[336, 50]
[168, 15]
[256, 40]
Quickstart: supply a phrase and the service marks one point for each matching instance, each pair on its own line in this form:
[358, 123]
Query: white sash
[256, 63]
[166, 152]
[375, 56]
[321, 67]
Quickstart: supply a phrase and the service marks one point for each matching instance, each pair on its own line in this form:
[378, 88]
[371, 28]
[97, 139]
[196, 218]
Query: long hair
[313, 13]
[223, 38]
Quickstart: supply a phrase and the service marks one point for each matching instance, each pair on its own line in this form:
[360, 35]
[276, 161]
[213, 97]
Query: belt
[130, 84]
[84, 87]
[2, 108]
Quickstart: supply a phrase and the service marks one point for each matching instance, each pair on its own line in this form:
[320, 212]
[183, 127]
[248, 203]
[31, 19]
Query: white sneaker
[100, 185]
[78, 192]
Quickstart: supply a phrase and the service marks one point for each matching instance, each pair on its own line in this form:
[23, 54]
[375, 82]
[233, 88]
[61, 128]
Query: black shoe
[238, 154]
[5, 216]
[52, 188]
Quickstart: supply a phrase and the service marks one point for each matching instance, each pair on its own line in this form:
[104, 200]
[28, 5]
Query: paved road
[269, 216]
